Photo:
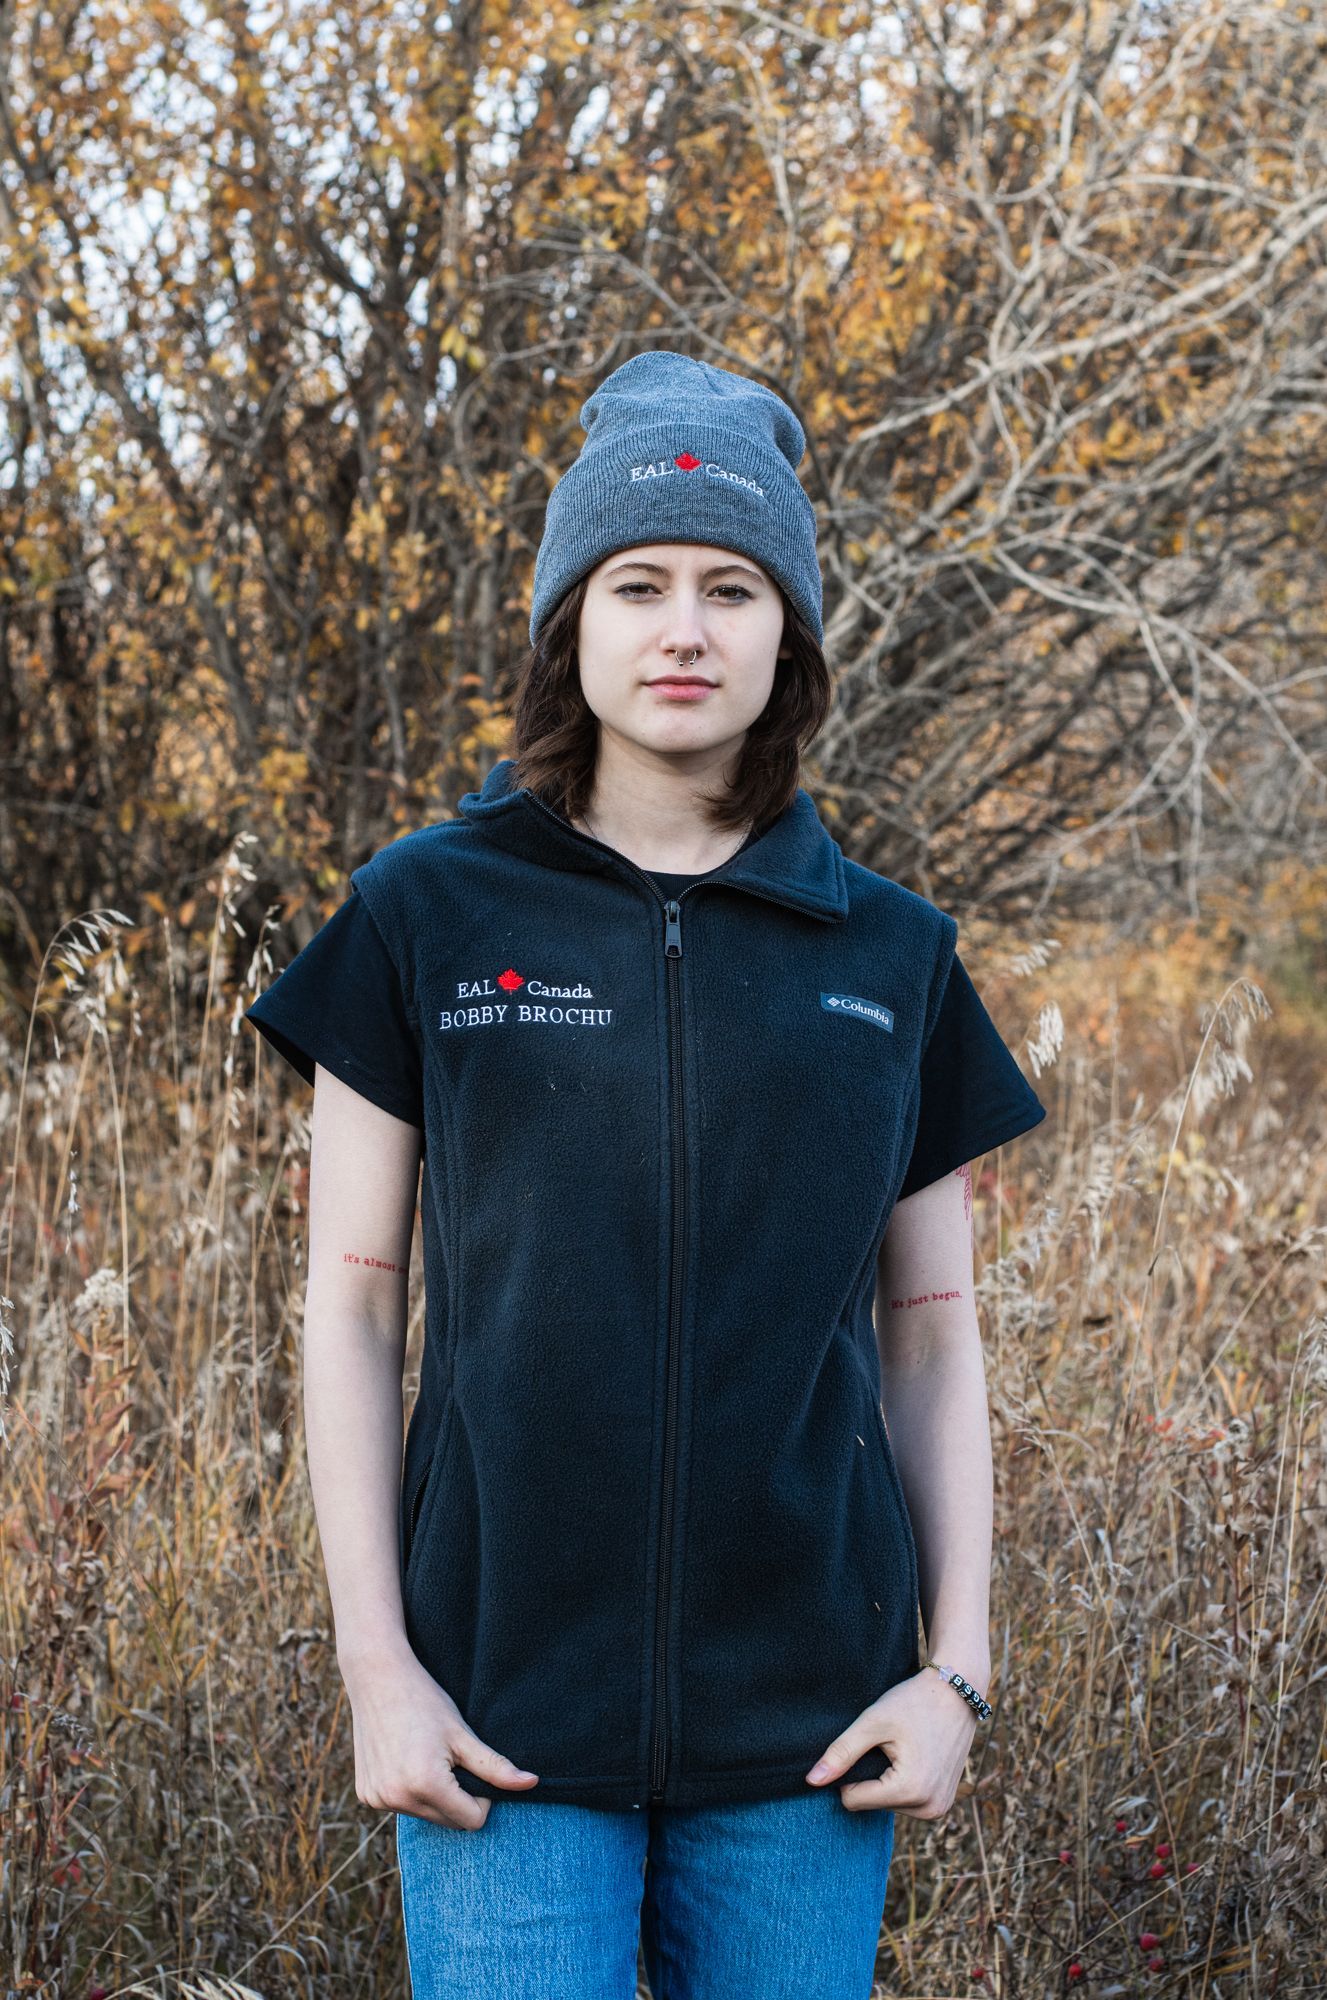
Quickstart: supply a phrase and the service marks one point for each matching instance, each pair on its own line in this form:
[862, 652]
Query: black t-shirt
[673, 884]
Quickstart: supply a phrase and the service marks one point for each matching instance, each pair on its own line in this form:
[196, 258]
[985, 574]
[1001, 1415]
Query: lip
[687, 686]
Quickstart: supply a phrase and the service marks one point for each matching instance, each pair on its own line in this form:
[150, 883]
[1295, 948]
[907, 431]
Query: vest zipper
[672, 907]
[677, 1164]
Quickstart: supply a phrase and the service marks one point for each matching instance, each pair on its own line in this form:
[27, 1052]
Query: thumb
[477, 1756]
[844, 1751]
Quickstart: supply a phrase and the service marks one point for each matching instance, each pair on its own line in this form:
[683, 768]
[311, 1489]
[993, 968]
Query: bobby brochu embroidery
[490, 1012]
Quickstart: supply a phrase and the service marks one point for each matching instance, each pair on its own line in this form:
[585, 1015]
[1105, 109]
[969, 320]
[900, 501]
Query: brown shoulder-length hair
[557, 732]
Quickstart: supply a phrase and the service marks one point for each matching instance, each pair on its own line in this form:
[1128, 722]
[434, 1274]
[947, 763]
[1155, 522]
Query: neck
[651, 809]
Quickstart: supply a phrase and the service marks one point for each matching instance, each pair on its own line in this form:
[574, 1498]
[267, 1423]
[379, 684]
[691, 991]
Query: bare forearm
[352, 1412]
[933, 1389]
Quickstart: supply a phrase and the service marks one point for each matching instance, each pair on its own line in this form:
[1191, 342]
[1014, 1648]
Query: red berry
[1189, 1867]
[979, 1972]
[1163, 1848]
[98, 1993]
[1157, 1868]
[1121, 1826]
[1075, 1970]
[1066, 1854]
[1146, 1940]
[1156, 1963]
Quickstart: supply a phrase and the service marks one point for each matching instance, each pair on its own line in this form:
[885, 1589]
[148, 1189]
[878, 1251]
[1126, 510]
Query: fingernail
[820, 1770]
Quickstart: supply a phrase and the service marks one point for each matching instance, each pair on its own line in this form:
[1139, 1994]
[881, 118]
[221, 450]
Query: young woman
[631, 1639]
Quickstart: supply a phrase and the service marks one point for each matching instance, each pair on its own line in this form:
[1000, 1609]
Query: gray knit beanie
[679, 451]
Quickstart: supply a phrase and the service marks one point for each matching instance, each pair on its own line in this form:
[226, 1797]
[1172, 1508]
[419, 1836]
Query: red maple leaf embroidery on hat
[687, 460]
[510, 980]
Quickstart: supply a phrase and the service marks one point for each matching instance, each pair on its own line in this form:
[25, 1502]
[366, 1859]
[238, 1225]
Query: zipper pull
[673, 930]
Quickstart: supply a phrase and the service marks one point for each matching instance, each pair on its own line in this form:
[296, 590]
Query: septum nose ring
[686, 663]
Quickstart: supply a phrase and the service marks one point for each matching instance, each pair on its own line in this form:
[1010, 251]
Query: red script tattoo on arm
[925, 1298]
[376, 1263]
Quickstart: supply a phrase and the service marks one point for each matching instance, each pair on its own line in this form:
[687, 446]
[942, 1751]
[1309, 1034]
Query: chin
[683, 741]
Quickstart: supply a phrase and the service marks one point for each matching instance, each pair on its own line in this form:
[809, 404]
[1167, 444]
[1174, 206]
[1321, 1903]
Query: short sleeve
[340, 1002]
[974, 1096]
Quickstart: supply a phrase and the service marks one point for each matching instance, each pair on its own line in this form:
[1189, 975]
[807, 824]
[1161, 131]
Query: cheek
[755, 654]
[598, 653]
[751, 683]
[601, 682]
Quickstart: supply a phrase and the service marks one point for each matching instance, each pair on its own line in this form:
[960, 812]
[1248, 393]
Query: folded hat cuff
[729, 491]
[723, 455]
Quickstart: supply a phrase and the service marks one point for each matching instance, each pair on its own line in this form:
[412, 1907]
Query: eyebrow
[661, 569]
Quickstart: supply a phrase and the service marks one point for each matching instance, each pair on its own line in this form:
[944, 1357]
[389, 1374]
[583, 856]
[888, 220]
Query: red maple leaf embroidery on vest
[687, 460]
[510, 980]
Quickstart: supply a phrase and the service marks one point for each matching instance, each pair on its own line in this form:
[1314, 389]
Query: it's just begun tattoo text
[376, 1263]
[928, 1298]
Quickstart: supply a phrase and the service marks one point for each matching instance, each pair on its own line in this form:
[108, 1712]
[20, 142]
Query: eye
[629, 590]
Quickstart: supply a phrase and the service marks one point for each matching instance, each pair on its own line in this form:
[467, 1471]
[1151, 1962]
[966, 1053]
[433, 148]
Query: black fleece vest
[653, 1541]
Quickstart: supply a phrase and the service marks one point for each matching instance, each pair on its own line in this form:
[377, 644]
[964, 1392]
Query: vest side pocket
[414, 1533]
[905, 1520]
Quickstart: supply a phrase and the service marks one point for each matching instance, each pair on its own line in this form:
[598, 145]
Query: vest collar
[794, 861]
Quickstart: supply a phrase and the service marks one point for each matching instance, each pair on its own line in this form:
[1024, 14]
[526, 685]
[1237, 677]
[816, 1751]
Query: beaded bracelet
[965, 1688]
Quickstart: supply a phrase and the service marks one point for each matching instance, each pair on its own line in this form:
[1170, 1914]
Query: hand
[409, 1737]
[927, 1729]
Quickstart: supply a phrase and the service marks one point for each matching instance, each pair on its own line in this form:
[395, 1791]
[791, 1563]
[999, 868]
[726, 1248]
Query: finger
[872, 1795]
[842, 1752]
[450, 1806]
[446, 1803]
[485, 1762]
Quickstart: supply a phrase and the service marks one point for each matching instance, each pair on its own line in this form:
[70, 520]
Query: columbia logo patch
[865, 1010]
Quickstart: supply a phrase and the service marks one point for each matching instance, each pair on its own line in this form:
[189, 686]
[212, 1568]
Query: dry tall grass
[178, 1811]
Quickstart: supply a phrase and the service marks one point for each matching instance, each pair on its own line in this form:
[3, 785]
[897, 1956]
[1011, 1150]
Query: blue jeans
[779, 1900]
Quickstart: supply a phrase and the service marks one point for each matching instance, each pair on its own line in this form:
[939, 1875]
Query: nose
[684, 634]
